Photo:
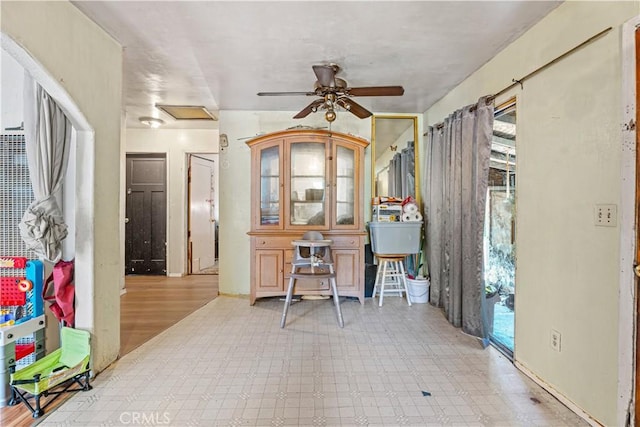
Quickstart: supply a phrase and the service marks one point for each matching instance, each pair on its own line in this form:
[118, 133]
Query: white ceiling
[221, 53]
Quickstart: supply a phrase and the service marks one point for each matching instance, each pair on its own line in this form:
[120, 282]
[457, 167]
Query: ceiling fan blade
[326, 75]
[285, 93]
[353, 107]
[376, 91]
[308, 109]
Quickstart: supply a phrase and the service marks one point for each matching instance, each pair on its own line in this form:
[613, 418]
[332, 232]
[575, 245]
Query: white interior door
[202, 208]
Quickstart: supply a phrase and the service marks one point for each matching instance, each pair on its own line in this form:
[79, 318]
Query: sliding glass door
[499, 236]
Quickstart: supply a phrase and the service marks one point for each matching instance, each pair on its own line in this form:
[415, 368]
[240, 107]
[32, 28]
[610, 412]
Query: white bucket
[418, 290]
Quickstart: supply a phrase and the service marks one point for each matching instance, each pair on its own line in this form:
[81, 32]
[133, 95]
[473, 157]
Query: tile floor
[230, 364]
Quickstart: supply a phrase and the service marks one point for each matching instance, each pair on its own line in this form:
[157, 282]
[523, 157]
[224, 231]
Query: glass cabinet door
[307, 185]
[270, 186]
[345, 186]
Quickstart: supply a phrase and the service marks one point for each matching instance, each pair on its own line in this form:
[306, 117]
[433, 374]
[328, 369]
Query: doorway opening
[499, 230]
[202, 230]
[161, 301]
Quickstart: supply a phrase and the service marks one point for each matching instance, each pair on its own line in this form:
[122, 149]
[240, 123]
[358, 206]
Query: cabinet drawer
[272, 242]
[346, 242]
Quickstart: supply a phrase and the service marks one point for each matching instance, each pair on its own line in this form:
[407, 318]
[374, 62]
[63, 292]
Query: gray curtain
[47, 137]
[457, 163]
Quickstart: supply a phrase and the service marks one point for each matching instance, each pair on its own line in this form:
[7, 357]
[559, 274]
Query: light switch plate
[606, 215]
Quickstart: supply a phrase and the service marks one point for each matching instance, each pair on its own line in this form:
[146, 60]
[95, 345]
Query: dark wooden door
[146, 214]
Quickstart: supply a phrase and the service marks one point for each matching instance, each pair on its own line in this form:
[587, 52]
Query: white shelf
[9, 334]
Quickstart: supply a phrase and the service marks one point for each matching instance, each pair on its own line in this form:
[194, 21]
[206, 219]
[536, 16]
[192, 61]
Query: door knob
[636, 269]
[126, 220]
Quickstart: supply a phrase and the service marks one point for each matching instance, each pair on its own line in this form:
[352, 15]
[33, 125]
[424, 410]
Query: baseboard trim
[240, 296]
[175, 275]
[555, 393]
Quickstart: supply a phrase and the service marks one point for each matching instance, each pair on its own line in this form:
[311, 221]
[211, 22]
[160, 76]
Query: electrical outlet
[555, 340]
[606, 215]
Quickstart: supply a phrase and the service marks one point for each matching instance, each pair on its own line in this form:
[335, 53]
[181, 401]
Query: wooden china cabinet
[306, 180]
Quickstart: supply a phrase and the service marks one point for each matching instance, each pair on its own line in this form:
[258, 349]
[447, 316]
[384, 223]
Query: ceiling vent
[187, 112]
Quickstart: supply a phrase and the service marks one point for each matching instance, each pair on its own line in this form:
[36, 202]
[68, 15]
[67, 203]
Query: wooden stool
[390, 277]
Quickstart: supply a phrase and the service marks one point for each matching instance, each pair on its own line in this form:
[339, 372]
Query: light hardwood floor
[150, 305]
[154, 303]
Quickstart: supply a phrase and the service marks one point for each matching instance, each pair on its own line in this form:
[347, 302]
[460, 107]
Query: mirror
[394, 157]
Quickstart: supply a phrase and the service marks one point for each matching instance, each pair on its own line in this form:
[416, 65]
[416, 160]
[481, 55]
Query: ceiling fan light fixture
[330, 116]
[334, 93]
[152, 122]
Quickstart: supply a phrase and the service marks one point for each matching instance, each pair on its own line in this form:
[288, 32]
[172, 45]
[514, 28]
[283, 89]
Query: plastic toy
[22, 319]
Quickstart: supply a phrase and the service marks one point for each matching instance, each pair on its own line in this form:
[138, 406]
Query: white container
[389, 238]
[418, 290]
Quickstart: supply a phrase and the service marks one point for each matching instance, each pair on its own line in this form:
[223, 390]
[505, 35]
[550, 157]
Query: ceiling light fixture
[151, 122]
[330, 116]
[330, 105]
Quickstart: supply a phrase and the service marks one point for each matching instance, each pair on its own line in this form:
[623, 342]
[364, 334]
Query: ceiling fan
[334, 93]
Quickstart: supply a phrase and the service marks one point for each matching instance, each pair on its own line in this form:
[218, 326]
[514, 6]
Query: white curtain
[47, 137]
[457, 162]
